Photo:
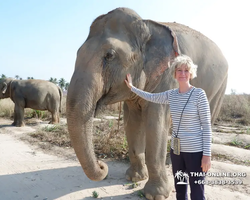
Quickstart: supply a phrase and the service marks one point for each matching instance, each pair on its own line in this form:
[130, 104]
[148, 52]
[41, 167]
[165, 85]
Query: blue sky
[40, 38]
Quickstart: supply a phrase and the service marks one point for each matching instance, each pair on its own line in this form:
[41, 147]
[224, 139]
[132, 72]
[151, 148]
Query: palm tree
[62, 83]
[53, 80]
[66, 86]
[30, 78]
[3, 76]
[17, 77]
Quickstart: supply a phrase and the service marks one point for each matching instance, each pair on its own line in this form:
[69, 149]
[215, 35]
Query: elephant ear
[4, 87]
[160, 51]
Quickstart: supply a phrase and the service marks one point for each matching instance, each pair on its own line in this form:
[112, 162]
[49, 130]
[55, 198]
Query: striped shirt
[195, 128]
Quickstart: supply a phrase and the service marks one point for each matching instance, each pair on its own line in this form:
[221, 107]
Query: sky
[40, 38]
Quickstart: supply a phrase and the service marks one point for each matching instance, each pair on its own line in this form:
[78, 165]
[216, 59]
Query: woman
[191, 119]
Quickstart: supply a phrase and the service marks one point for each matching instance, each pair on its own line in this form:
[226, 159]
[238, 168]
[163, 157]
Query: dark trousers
[187, 162]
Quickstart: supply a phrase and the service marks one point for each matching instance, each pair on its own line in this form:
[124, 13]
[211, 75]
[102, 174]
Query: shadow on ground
[59, 183]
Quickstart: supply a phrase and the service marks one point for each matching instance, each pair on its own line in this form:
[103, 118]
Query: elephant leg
[136, 142]
[15, 118]
[216, 102]
[55, 117]
[18, 116]
[158, 186]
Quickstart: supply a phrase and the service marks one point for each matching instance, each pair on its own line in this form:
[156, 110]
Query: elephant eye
[110, 55]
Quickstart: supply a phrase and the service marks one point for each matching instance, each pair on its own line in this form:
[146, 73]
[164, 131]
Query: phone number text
[219, 182]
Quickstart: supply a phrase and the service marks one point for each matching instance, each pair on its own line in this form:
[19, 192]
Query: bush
[6, 108]
[235, 109]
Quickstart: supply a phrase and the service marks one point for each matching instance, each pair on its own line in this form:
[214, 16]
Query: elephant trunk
[81, 104]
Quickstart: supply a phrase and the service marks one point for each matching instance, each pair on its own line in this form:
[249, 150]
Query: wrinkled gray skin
[35, 94]
[119, 43]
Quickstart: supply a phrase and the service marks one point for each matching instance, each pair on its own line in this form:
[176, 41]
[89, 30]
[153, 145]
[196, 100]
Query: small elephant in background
[32, 93]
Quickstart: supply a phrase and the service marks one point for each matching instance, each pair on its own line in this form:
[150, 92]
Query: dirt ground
[27, 172]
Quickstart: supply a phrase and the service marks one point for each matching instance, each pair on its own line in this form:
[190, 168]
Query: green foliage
[236, 142]
[140, 193]
[239, 144]
[132, 185]
[110, 123]
[53, 80]
[169, 145]
[135, 185]
[38, 113]
[66, 86]
[125, 143]
[95, 194]
[51, 128]
[62, 83]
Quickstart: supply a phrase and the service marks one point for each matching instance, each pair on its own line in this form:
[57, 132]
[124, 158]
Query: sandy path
[28, 173]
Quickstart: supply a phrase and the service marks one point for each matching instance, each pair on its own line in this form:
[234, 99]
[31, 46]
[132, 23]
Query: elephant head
[4, 85]
[119, 43]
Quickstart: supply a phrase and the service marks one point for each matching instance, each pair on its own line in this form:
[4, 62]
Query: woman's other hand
[205, 163]
[128, 81]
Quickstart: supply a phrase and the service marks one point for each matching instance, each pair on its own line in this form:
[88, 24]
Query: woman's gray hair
[184, 60]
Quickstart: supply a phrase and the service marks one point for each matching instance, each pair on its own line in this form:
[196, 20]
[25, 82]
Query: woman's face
[182, 74]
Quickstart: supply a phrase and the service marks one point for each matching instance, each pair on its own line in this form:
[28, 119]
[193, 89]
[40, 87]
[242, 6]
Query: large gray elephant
[32, 93]
[119, 43]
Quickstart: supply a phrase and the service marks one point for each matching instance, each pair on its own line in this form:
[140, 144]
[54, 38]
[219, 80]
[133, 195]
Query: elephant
[120, 43]
[32, 93]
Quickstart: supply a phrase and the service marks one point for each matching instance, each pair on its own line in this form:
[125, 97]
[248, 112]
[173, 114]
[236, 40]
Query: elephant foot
[157, 189]
[18, 124]
[137, 175]
[54, 122]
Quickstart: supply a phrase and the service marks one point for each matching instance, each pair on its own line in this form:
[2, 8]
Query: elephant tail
[61, 96]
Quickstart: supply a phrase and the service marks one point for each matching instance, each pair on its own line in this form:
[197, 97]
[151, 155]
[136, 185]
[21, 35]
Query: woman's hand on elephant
[128, 81]
[205, 163]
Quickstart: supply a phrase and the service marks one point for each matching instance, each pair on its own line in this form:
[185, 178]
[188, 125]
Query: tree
[233, 92]
[18, 77]
[66, 86]
[3, 76]
[53, 80]
[30, 78]
[62, 83]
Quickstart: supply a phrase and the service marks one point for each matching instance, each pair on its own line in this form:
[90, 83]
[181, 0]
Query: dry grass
[109, 142]
[229, 159]
[235, 109]
[53, 134]
[6, 108]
